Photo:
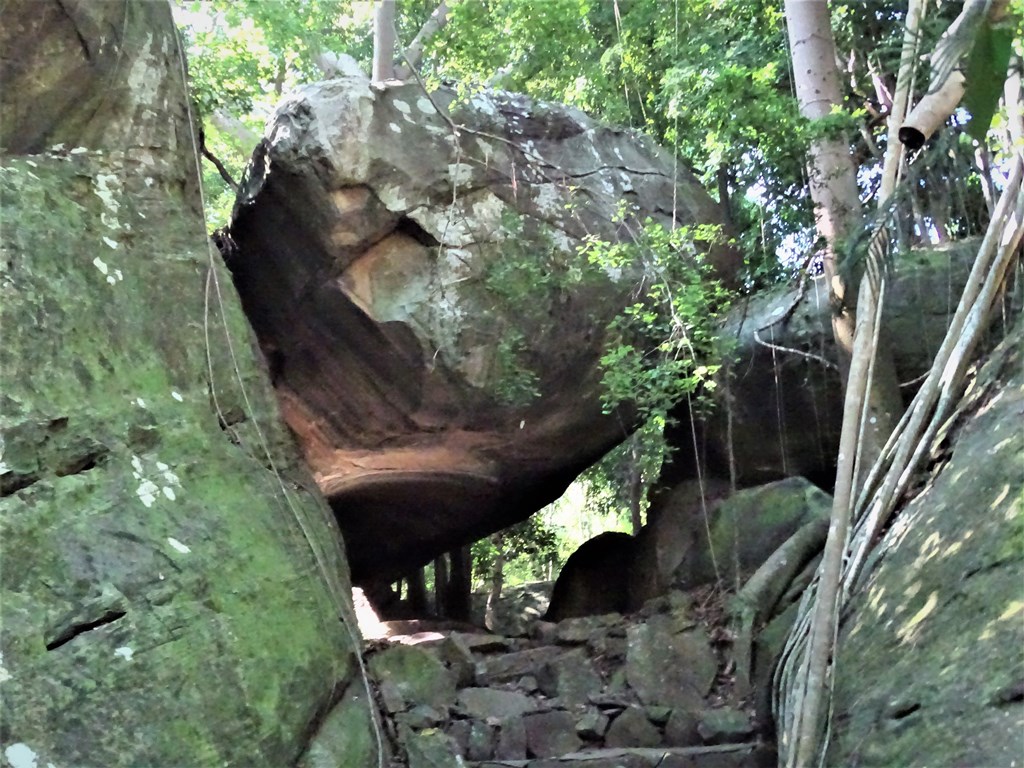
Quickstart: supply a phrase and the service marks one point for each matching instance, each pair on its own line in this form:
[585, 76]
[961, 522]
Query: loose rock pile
[609, 690]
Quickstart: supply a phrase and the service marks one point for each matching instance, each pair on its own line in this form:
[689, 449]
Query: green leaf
[985, 74]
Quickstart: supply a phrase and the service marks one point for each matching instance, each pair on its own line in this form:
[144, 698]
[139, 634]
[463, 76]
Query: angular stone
[422, 716]
[511, 740]
[475, 739]
[592, 725]
[632, 729]
[657, 715]
[427, 749]
[481, 643]
[454, 652]
[571, 677]
[724, 726]
[415, 674]
[667, 669]
[510, 666]
[681, 729]
[491, 703]
[584, 629]
[549, 734]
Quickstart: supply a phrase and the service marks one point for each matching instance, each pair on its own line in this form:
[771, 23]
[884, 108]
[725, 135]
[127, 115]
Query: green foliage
[664, 346]
[986, 72]
[530, 549]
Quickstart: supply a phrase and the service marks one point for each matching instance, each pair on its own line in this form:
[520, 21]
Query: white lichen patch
[484, 104]
[107, 187]
[423, 105]
[21, 756]
[140, 402]
[402, 107]
[149, 488]
[124, 652]
[548, 199]
[147, 492]
[395, 127]
[460, 173]
[142, 85]
[78, 151]
[111, 243]
[391, 196]
[101, 266]
[177, 396]
[178, 545]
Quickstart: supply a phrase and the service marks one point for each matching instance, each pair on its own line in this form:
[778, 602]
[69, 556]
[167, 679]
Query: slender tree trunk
[417, 583]
[440, 586]
[460, 584]
[414, 53]
[497, 580]
[833, 187]
[636, 485]
[384, 41]
[805, 736]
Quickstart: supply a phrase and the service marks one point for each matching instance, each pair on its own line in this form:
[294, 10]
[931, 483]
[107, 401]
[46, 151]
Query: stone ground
[651, 689]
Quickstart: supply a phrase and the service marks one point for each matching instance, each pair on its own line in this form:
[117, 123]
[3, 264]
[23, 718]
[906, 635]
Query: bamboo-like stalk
[803, 739]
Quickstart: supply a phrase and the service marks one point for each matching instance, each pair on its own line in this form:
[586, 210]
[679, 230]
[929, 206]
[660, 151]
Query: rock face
[786, 392]
[164, 599]
[432, 332]
[930, 668]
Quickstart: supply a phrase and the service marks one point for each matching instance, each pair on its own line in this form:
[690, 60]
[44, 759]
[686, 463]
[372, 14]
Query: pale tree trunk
[803, 738]
[497, 580]
[636, 485]
[414, 53]
[833, 187]
[384, 41]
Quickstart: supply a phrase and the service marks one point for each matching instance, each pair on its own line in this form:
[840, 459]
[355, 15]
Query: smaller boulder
[632, 729]
[724, 726]
[550, 734]
[595, 579]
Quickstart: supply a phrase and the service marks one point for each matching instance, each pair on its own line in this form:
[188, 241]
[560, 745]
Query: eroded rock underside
[431, 330]
[164, 599]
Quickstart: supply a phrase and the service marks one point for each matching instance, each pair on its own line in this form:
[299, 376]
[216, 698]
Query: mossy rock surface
[170, 593]
[930, 662]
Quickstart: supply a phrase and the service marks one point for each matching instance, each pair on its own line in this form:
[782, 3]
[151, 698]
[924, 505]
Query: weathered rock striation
[409, 263]
[170, 591]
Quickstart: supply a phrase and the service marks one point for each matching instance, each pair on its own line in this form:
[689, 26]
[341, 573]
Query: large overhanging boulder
[409, 262]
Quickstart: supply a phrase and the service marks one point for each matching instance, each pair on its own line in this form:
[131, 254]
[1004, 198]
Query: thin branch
[224, 174]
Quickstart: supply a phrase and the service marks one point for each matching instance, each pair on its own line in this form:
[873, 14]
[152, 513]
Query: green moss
[234, 642]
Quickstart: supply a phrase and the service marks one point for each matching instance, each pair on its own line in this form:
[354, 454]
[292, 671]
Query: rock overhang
[410, 265]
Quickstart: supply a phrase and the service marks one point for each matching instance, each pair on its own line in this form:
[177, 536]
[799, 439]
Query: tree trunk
[636, 485]
[460, 584]
[804, 735]
[497, 580]
[414, 53]
[833, 187]
[417, 583]
[384, 41]
[440, 586]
